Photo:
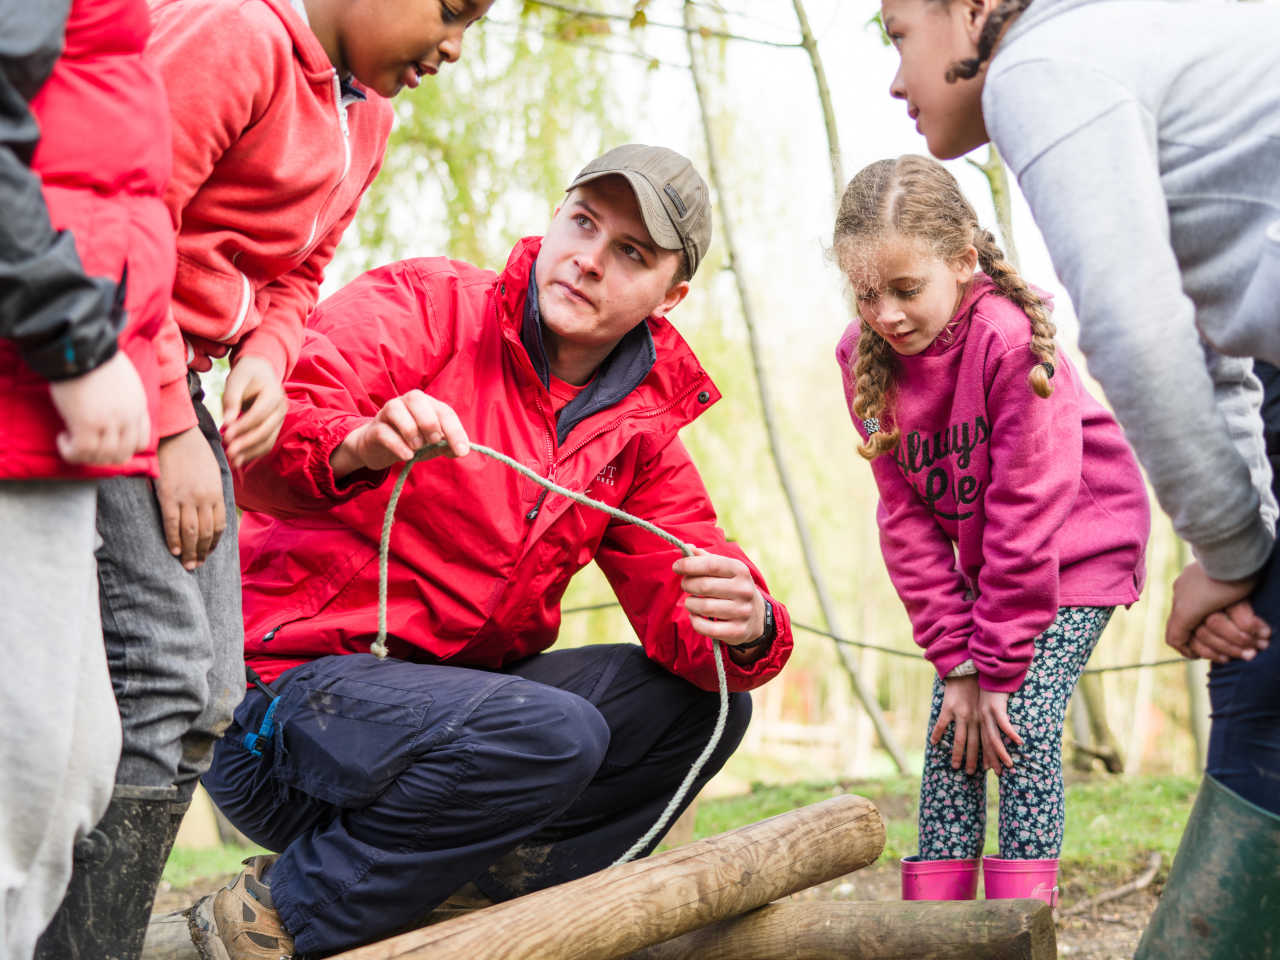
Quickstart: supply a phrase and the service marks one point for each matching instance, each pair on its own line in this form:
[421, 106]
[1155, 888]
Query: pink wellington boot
[939, 879]
[1021, 879]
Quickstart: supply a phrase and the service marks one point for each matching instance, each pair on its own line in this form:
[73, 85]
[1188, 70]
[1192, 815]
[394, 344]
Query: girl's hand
[960, 706]
[1233, 632]
[1195, 628]
[253, 409]
[993, 710]
[189, 491]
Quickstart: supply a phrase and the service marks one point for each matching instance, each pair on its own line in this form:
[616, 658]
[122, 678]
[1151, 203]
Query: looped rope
[379, 646]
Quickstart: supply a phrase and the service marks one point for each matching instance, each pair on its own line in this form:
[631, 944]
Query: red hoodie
[479, 557]
[103, 161]
[999, 506]
[268, 169]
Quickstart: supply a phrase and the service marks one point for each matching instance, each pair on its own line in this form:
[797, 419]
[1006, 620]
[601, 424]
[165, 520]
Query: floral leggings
[953, 804]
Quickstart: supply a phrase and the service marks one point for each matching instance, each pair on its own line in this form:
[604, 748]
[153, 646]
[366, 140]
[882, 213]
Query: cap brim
[656, 220]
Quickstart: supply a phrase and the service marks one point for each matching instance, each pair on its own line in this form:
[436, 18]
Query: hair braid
[1001, 271]
[872, 370]
[997, 21]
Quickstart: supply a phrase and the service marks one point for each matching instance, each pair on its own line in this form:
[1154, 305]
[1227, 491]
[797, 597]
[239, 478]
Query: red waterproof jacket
[270, 159]
[103, 159]
[479, 560]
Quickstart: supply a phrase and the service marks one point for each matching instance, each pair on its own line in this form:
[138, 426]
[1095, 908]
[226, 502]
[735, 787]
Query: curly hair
[992, 30]
[915, 197]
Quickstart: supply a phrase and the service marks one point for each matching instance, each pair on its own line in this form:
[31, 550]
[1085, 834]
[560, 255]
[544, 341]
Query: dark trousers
[387, 785]
[1244, 695]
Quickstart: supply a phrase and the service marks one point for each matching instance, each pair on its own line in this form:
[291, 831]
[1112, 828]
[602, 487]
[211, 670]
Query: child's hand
[253, 409]
[1197, 597]
[105, 412]
[993, 710]
[1234, 632]
[960, 706]
[722, 598]
[403, 426]
[189, 491]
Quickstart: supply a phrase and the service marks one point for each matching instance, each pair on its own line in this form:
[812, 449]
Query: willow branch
[629, 19]
[864, 696]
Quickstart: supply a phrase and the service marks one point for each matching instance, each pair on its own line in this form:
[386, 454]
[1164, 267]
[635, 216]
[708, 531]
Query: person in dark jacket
[470, 755]
[73, 408]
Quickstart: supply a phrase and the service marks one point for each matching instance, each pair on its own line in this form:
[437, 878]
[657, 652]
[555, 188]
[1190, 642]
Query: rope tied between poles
[379, 646]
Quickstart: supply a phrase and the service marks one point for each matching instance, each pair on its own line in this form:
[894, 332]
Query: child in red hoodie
[1012, 514]
[280, 119]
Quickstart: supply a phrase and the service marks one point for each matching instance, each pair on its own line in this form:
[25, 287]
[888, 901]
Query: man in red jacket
[470, 755]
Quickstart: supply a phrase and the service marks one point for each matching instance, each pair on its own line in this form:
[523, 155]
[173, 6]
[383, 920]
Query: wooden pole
[621, 909]
[894, 930]
[865, 695]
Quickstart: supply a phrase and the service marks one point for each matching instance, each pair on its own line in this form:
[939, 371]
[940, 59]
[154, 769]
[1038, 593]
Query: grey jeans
[175, 639]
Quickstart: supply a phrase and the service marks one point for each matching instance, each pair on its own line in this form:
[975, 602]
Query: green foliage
[187, 866]
[523, 90]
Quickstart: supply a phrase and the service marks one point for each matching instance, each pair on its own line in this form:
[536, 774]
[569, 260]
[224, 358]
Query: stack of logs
[714, 900]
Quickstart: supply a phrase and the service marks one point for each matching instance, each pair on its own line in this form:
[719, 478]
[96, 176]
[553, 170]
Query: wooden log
[621, 909]
[169, 938]
[892, 930]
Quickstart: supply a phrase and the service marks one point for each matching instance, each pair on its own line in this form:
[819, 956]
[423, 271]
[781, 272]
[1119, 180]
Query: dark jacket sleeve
[64, 322]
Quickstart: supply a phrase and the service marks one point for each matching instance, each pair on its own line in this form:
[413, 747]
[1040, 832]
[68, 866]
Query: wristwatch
[770, 631]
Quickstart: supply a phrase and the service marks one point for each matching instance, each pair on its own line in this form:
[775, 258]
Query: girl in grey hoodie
[1145, 135]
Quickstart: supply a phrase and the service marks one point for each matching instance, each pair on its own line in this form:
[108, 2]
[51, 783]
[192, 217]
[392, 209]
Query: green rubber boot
[1222, 901]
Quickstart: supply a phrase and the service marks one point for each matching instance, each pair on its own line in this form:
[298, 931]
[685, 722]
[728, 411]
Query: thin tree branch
[998, 180]
[766, 406]
[628, 19]
[1137, 883]
[824, 96]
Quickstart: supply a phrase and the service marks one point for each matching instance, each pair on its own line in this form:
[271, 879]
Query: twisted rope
[379, 646]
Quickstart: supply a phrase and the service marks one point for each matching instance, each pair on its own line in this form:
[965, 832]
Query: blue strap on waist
[253, 741]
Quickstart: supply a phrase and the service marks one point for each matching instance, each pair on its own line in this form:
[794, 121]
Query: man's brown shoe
[239, 922]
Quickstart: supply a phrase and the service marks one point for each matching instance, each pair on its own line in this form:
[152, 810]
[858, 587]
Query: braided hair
[992, 30]
[916, 198]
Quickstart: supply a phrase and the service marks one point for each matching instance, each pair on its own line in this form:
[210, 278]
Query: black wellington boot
[114, 874]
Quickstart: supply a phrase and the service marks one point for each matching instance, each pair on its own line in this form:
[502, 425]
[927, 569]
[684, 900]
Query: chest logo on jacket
[922, 456]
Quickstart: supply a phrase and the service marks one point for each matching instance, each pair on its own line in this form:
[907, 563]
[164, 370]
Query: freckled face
[907, 293]
[929, 36]
[391, 44]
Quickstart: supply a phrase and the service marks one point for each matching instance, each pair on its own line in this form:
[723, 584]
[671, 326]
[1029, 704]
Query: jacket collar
[306, 45]
[651, 367]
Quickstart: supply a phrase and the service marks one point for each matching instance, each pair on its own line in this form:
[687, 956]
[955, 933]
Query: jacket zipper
[551, 461]
[640, 414]
[346, 162]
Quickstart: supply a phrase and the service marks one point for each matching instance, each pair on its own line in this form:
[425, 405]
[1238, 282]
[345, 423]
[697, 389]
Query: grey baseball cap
[674, 200]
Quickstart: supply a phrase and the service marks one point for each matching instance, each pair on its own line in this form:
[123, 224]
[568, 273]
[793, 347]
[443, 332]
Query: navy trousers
[387, 785]
[1244, 696]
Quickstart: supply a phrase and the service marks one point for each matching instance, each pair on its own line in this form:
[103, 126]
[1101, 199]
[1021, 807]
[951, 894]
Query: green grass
[186, 866]
[1113, 824]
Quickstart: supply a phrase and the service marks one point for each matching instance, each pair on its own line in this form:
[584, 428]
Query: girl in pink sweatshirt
[1012, 515]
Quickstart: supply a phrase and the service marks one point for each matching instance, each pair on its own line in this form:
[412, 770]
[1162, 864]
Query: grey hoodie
[1145, 135]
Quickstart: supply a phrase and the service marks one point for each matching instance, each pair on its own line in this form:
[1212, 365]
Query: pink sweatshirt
[998, 506]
